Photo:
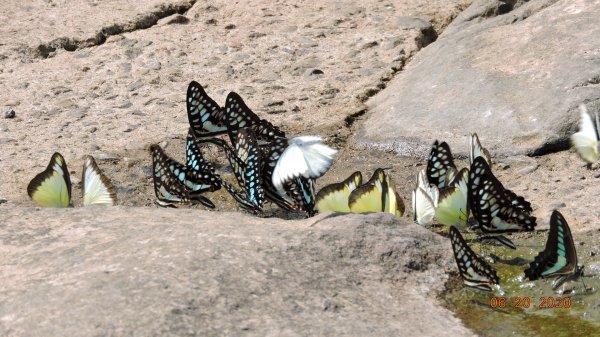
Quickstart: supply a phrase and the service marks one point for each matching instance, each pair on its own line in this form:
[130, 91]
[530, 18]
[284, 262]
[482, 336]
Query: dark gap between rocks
[143, 21]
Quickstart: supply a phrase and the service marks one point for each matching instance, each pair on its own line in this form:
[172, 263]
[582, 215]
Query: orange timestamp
[525, 302]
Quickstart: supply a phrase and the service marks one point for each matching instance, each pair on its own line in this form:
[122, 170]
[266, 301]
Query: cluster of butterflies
[351, 196]
[266, 164]
[474, 199]
[52, 187]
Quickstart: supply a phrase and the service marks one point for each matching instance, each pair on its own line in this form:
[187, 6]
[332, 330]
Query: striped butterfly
[334, 197]
[175, 183]
[585, 140]
[52, 187]
[439, 163]
[492, 205]
[245, 160]
[206, 117]
[559, 257]
[377, 195]
[474, 271]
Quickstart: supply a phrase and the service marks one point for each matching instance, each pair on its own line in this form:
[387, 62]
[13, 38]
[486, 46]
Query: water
[530, 308]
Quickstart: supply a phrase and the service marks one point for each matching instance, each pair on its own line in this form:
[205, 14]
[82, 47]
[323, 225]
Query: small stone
[558, 205]
[9, 114]
[173, 20]
[135, 85]
[3, 200]
[254, 35]
[314, 72]
[528, 169]
[230, 26]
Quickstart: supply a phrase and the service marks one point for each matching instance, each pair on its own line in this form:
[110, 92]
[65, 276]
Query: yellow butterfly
[334, 197]
[52, 187]
[377, 195]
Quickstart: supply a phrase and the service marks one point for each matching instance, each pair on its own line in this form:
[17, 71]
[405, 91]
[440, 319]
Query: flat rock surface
[159, 272]
[513, 75]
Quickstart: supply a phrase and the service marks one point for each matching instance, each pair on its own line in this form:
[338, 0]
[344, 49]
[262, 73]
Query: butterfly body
[377, 195]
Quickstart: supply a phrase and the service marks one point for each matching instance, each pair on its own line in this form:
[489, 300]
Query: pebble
[9, 113]
[528, 169]
[558, 205]
[135, 85]
[3, 200]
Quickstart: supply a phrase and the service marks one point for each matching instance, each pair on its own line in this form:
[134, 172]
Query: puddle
[529, 308]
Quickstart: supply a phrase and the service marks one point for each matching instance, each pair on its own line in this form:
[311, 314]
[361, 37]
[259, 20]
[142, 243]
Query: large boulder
[514, 74]
[157, 272]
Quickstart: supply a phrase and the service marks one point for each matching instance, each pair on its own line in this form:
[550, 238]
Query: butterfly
[424, 200]
[496, 209]
[52, 187]
[474, 271]
[559, 257]
[175, 183]
[586, 140]
[377, 195]
[334, 197]
[476, 150]
[245, 160]
[205, 116]
[305, 156]
[239, 116]
[452, 207]
[439, 163]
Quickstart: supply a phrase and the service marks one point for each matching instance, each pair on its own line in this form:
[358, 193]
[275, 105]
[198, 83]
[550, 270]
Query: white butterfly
[305, 156]
[97, 189]
[476, 150]
[586, 140]
[424, 200]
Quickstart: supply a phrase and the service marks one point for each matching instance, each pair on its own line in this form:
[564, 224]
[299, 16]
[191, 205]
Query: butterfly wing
[476, 150]
[168, 176]
[474, 270]
[239, 116]
[205, 116]
[490, 203]
[370, 197]
[423, 207]
[200, 174]
[334, 197]
[452, 208]
[247, 150]
[96, 187]
[586, 140]
[52, 187]
[559, 257]
[439, 162]
[392, 202]
[305, 156]
[241, 198]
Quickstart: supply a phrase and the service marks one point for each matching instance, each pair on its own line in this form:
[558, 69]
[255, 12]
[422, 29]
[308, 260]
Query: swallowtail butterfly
[439, 163]
[206, 117]
[495, 208]
[559, 257]
[424, 200]
[474, 270]
[174, 183]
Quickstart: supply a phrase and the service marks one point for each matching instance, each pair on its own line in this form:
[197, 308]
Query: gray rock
[156, 272]
[135, 85]
[516, 79]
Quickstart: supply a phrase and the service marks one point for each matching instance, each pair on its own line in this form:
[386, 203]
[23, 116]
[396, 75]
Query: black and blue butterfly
[474, 271]
[559, 257]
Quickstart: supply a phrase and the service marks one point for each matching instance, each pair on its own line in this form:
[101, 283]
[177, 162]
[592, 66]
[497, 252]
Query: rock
[135, 85]
[184, 271]
[524, 101]
[176, 19]
[9, 114]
